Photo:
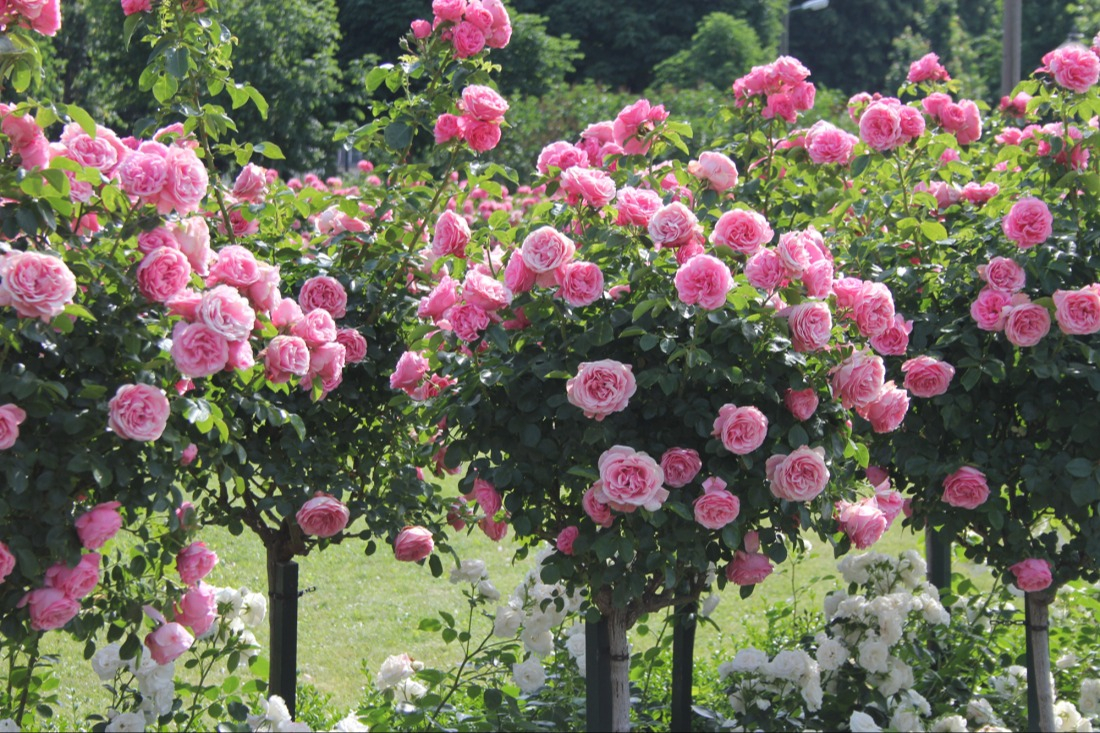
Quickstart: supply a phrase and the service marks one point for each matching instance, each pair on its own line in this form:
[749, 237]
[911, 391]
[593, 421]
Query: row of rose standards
[635, 368]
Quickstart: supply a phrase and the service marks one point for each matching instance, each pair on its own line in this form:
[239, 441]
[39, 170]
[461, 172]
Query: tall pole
[1011, 63]
[785, 38]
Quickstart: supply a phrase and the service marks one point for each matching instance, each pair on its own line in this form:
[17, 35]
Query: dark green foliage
[722, 49]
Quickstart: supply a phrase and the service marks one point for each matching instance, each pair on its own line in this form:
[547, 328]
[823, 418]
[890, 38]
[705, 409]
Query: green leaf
[164, 88]
[176, 61]
[1079, 467]
[860, 164]
[398, 135]
[376, 76]
[270, 150]
[933, 230]
[82, 118]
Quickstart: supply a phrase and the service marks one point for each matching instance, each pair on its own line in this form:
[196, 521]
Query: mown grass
[365, 608]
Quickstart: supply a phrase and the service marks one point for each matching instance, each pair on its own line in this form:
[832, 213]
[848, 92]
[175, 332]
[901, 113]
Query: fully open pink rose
[186, 182]
[164, 272]
[1032, 575]
[966, 488]
[926, 376]
[411, 368]
[7, 562]
[716, 169]
[138, 412]
[11, 417]
[355, 346]
[1026, 323]
[168, 642]
[765, 271]
[452, 234]
[285, 356]
[50, 608]
[565, 540]
[894, 339]
[413, 544]
[810, 325]
[742, 230]
[483, 103]
[480, 136]
[198, 608]
[880, 126]
[447, 127]
[546, 249]
[601, 387]
[1028, 223]
[494, 530]
[800, 476]
[864, 522]
[1078, 311]
[590, 186]
[1073, 67]
[631, 479]
[443, 296]
[561, 155]
[36, 285]
[467, 321]
[485, 291]
[195, 562]
[234, 266]
[741, 429]
[802, 403]
[672, 225]
[827, 143]
[98, 524]
[198, 350]
[681, 466]
[748, 568]
[704, 281]
[887, 410]
[229, 313]
[874, 309]
[581, 283]
[858, 380]
[316, 328]
[322, 516]
[636, 206]
[717, 507]
[988, 308]
[75, 582]
[1004, 274]
[326, 293]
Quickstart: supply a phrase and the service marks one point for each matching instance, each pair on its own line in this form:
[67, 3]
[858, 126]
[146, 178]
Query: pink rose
[316, 328]
[601, 388]
[810, 324]
[546, 249]
[449, 10]
[741, 429]
[355, 346]
[98, 525]
[979, 194]
[234, 266]
[193, 237]
[452, 234]
[494, 530]
[75, 582]
[987, 310]
[7, 562]
[250, 183]
[1032, 574]
[518, 278]
[800, 476]
[421, 29]
[880, 126]
[716, 169]
[483, 103]
[480, 136]
[186, 183]
[164, 272]
[326, 293]
[565, 540]
[1077, 311]
[168, 641]
[103, 152]
[874, 309]
[636, 206]
[468, 321]
[143, 175]
[886, 411]
[818, 279]
[413, 544]
[681, 466]
[634, 122]
[704, 281]
[631, 479]
[716, 507]
[187, 457]
[748, 568]
[927, 377]
[894, 339]
[672, 225]
[468, 39]
[863, 522]
[742, 230]
[486, 496]
[1026, 323]
[322, 516]
[581, 283]
[198, 608]
[847, 291]
[827, 143]
[194, 562]
[594, 187]
[284, 356]
[927, 68]
[326, 361]
[227, 312]
[36, 285]
[155, 239]
[1028, 223]
[598, 511]
[50, 608]
[561, 155]
[440, 299]
[858, 379]
[447, 128]
[138, 412]
[1073, 66]
[966, 488]
[485, 292]
[11, 417]
[1003, 274]
[410, 369]
[198, 350]
[765, 270]
[802, 403]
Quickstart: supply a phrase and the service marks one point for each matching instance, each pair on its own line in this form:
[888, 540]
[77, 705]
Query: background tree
[722, 49]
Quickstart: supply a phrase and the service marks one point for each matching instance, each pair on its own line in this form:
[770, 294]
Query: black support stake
[598, 676]
[683, 650]
[937, 550]
[284, 633]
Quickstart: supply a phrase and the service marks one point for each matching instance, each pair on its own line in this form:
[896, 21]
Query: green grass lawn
[367, 608]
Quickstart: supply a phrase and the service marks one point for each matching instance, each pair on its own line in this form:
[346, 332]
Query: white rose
[831, 655]
[507, 622]
[899, 677]
[350, 723]
[409, 689]
[125, 723]
[746, 660]
[1089, 704]
[538, 642]
[230, 599]
[253, 609]
[395, 669]
[863, 723]
[7, 725]
[813, 694]
[529, 675]
[788, 664]
[106, 662]
[906, 719]
[874, 655]
[1066, 717]
[275, 710]
[709, 604]
[293, 726]
[950, 724]
[250, 644]
[469, 571]
[832, 603]
[981, 712]
[577, 645]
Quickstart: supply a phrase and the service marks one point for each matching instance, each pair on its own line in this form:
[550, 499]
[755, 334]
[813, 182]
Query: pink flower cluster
[927, 68]
[783, 86]
[41, 16]
[478, 124]
[468, 25]
[962, 119]
[25, 138]
[632, 126]
[886, 124]
[1073, 67]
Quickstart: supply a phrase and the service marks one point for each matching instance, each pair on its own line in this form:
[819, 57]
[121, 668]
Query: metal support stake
[937, 551]
[683, 650]
[284, 633]
[598, 676]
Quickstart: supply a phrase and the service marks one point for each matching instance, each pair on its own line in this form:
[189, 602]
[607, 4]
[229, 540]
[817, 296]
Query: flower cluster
[478, 124]
[468, 25]
[783, 86]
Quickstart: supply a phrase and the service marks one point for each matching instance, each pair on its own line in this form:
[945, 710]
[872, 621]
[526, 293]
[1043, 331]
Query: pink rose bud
[168, 642]
[187, 516]
[98, 525]
[322, 516]
[413, 544]
[189, 454]
[565, 539]
[421, 29]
